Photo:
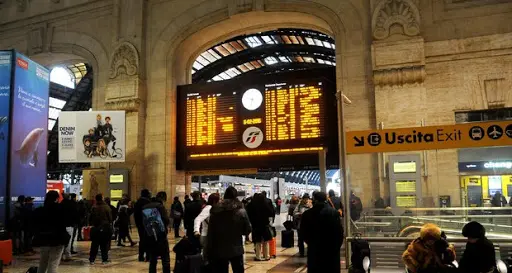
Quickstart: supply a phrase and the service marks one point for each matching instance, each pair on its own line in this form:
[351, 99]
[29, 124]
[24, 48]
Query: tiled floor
[124, 259]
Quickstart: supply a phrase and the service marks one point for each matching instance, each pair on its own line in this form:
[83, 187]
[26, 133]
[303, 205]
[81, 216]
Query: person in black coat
[228, 223]
[322, 231]
[260, 213]
[157, 243]
[50, 233]
[177, 216]
[479, 255]
[144, 200]
[192, 210]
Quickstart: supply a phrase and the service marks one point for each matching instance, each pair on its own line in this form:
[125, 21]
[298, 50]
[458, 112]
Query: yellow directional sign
[430, 137]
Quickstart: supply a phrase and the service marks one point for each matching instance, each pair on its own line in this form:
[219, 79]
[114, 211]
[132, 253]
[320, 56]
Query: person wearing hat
[425, 254]
[303, 206]
[479, 255]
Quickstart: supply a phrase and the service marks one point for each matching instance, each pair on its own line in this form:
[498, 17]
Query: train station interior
[398, 110]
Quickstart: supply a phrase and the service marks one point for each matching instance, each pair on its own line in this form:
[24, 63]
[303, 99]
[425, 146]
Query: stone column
[398, 61]
[126, 91]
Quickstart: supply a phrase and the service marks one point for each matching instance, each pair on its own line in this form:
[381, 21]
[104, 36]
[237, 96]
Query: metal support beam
[344, 185]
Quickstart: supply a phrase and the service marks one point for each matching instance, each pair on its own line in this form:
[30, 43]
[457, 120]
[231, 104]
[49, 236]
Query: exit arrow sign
[359, 141]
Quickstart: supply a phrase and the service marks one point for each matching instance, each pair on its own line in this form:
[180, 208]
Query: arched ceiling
[263, 53]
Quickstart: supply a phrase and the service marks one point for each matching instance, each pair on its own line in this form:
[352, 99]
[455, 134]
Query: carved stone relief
[388, 13]
[399, 76]
[124, 61]
[129, 105]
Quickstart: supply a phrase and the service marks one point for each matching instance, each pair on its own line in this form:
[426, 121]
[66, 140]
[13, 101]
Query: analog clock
[252, 99]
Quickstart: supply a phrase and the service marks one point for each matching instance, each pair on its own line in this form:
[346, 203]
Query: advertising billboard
[5, 97]
[92, 136]
[29, 131]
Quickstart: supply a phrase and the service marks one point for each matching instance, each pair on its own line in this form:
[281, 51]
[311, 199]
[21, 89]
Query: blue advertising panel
[29, 130]
[5, 92]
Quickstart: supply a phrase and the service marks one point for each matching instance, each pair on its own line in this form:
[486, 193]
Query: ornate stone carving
[124, 61]
[129, 105]
[399, 76]
[395, 12]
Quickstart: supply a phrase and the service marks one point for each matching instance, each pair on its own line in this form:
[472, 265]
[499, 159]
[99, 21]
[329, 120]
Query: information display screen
[254, 122]
[405, 186]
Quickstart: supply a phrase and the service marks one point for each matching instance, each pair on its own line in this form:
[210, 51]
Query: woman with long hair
[260, 213]
[50, 233]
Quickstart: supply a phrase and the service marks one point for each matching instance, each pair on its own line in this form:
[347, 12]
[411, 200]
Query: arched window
[62, 76]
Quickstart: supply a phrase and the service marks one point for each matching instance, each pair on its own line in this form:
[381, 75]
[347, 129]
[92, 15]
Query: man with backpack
[144, 200]
[155, 223]
[321, 229]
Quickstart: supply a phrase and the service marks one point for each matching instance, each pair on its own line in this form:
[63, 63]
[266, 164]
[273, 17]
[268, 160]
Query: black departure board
[255, 121]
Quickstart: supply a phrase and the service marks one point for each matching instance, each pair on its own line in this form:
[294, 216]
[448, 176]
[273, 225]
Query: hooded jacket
[228, 223]
[424, 257]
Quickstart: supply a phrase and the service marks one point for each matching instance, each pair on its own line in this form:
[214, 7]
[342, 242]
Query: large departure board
[256, 122]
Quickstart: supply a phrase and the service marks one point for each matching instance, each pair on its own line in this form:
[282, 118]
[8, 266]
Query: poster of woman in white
[92, 136]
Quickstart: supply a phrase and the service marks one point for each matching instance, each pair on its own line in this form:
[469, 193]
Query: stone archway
[205, 25]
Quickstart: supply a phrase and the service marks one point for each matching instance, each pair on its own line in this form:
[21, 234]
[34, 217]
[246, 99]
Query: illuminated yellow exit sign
[430, 137]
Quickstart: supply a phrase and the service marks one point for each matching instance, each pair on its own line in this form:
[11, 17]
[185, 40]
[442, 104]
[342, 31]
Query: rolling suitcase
[86, 233]
[6, 252]
[287, 239]
[272, 245]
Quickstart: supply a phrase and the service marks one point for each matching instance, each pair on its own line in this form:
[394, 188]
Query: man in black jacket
[144, 200]
[70, 209]
[101, 233]
[157, 243]
[192, 210]
[228, 224]
[322, 231]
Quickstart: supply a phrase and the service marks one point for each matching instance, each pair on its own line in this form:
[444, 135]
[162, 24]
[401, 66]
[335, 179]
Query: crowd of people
[217, 229]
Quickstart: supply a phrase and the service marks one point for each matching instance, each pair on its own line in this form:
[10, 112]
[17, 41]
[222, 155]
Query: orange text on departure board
[205, 125]
[293, 112]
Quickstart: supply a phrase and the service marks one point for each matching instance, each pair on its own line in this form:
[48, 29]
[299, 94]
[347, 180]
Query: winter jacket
[192, 210]
[302, 207]
[101, 216]
[322, 230]
[228, 223]
[70, 212]
[137, 211]
[478, 257]
[177, 210]
[202, 220]
[161, 241]
[420, 258]
[49, 226]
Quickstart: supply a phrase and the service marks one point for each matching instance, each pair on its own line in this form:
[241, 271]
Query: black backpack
[360, 249]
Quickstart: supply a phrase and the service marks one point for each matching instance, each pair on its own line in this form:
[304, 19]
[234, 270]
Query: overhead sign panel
[430, 138]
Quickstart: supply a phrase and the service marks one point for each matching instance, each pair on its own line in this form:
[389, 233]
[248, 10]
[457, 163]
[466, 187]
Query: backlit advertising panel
[5, 92]
[29, 131]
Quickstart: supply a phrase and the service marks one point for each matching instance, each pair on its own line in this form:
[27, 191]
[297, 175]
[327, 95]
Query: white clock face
[252, 99]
